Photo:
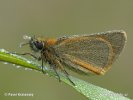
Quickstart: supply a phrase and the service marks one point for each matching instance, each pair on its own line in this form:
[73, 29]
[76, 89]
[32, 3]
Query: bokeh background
[55, 18]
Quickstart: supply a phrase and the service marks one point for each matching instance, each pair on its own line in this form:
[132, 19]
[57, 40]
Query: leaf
[89, 90]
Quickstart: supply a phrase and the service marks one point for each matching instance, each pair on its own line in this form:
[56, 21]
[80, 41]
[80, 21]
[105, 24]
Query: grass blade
[91, 91]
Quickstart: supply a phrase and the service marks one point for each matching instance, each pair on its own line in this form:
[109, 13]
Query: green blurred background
[55, 18]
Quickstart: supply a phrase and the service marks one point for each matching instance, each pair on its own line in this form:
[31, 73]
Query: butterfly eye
[38, 45]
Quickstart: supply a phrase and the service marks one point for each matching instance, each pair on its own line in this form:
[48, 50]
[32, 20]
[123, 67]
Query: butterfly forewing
[91, 53]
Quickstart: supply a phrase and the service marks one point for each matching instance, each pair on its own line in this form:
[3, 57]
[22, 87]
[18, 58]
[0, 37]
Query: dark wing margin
[91, 53]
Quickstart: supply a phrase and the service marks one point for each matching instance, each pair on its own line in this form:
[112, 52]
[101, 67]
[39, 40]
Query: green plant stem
[91, 91]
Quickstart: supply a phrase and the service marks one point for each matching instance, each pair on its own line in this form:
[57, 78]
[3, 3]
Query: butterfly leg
[30, 54]
[57, 74]
[64, 71]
